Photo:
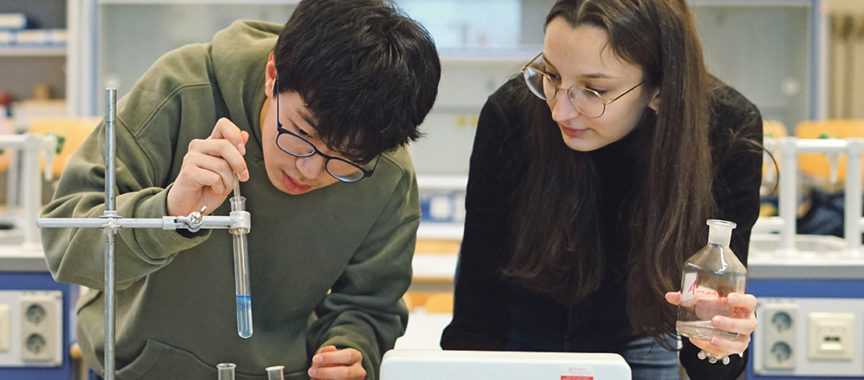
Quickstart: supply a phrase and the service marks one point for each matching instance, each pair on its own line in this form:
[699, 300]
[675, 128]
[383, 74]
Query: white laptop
[501, 365]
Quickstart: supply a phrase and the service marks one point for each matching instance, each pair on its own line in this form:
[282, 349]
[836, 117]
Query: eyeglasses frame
[281, 131]
[567, 90]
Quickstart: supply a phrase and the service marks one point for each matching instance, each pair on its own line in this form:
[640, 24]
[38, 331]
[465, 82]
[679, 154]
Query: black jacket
[485, 304]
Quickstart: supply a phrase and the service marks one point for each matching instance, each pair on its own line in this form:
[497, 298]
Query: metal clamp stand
[110, 223]
[28, 184]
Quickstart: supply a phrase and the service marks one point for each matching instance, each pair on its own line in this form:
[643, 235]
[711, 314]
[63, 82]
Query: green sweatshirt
[327, 268]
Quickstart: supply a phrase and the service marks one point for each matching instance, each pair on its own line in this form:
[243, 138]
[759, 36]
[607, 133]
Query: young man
[314, 129]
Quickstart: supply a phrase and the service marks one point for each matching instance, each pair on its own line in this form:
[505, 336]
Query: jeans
[649, 360]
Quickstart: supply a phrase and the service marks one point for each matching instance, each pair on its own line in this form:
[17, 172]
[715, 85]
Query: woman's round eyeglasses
[546, 86]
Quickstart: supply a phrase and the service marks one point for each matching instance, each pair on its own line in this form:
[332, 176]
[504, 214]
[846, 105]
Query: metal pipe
[853, 196]
[111, 214]
[31, 197]
[110, 151]
[165, 223]
[788, 193]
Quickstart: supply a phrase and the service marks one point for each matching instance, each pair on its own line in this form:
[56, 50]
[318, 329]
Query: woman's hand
[743, 322]
[207, 175]
[330, 363]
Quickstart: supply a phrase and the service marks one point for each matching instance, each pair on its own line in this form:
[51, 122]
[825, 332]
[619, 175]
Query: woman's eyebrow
[590, 76]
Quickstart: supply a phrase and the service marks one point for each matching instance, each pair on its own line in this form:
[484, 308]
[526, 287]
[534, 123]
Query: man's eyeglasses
[339, 168]
[546, 86]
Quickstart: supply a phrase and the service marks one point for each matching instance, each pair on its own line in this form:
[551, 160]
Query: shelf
[47, 51]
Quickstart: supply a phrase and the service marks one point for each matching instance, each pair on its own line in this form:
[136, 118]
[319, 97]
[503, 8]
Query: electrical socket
[41, 326]
[779, 335]
[831, 336]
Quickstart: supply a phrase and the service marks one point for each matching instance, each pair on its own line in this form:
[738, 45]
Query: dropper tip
[236, 185]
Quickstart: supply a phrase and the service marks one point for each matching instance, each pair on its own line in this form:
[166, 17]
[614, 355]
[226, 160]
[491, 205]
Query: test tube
[241, 270]
[226, 371]
[275, 372]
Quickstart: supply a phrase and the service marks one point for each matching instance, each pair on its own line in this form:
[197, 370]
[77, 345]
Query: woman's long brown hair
[557, 247]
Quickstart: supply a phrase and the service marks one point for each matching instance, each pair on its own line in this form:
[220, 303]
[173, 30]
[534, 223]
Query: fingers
[745, 301]
[719, 346]
[330, 363]
[228, 142]
[333, 357]
[743, 322]
[673, 297]
[325, 349]
[736, 325]
[226, 130]
[217, 156]
[208, 172]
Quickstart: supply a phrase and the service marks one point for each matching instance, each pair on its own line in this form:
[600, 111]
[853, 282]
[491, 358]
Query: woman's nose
[562, 109]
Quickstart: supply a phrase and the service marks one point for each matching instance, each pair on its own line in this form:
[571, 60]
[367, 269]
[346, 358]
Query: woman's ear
[654, 103]
[269, 76]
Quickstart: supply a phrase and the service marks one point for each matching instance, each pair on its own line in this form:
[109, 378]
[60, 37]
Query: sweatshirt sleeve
[146, 133]
[736, 139]
[364, 309]
[480, 314]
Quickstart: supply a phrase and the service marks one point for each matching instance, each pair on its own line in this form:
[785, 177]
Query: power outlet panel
[34, 331]
[831, 336]
[39, 337]
[779, 344]
[809, 337]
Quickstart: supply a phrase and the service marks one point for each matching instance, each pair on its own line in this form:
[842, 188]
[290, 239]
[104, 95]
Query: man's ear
[654, 103]
[269, 75]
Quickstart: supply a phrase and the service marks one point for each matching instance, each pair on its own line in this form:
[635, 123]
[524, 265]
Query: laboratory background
[800, 61]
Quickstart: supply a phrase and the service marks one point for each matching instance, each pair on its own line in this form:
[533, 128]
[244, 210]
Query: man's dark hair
[367, 73]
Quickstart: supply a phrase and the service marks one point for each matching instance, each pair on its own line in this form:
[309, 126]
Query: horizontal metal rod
[166, 223]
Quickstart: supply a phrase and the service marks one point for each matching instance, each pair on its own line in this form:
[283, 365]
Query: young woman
[591, 179]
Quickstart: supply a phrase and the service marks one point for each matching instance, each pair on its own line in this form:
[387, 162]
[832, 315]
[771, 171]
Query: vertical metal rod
[110, 151]
[110, 214]
[852, 213]
[788, 193]
[30, 179]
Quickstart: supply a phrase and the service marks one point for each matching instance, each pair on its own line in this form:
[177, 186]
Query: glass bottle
[709, 276]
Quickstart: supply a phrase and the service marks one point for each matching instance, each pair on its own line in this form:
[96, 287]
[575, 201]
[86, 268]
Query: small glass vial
[226, 371]
[708, 277]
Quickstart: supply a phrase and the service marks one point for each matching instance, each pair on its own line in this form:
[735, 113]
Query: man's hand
[207, 175]
[331, 364]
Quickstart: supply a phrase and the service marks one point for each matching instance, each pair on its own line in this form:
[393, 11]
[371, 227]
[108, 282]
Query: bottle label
[688, 291]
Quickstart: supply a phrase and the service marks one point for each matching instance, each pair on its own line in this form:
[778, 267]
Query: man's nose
[312, 166]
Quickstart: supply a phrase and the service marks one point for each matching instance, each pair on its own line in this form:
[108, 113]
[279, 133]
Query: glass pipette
[241, 269]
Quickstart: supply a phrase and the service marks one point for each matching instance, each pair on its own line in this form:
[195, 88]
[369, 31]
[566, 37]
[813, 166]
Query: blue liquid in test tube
[241, 271]
[244, 316]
